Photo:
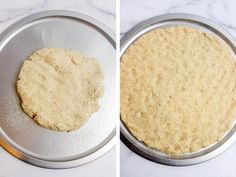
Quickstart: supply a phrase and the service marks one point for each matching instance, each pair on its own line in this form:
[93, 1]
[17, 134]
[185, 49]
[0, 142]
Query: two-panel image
[117, 88]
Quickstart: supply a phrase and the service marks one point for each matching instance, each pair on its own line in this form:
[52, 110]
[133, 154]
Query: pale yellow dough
[60, 88]
[178, 89]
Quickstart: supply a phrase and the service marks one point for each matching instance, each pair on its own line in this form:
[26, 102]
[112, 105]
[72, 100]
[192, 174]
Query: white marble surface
[13, 10]
[224, 13]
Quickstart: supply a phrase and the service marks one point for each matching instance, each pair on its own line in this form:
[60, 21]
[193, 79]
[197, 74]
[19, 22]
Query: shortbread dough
[60, 88]
[178, 89]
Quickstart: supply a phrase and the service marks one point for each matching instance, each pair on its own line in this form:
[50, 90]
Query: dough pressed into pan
[60, 88]
[178, 89]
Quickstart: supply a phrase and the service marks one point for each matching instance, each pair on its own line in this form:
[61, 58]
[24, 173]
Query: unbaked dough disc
[178, 89]
[60, 88]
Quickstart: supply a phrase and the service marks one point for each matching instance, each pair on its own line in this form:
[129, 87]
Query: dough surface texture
[60, 88]
[178, 89]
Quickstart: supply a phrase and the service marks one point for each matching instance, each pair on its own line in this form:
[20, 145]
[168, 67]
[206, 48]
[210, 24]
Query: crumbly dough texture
[178, 89]
[59, 88]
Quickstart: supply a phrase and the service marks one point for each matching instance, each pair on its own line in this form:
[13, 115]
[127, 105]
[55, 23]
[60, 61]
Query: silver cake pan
[19, 134]
[164, 21]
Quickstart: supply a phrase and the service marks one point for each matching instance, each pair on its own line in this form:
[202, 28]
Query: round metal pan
[140, 148]
[19, 134]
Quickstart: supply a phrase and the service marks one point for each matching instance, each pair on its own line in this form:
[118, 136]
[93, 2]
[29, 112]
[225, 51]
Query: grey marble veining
[13, 10]
[221, 11]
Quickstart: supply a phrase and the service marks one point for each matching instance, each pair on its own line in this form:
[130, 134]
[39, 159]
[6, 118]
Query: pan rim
[126, 136]
[9, 145]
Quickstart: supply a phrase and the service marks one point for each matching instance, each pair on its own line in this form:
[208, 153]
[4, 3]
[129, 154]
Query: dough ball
[60, 88]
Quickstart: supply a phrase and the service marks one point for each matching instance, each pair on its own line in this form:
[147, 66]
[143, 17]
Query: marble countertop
[13, 10]
[222, 12]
